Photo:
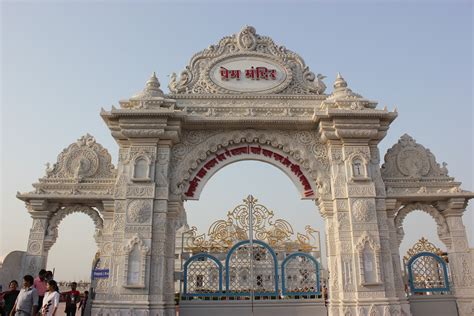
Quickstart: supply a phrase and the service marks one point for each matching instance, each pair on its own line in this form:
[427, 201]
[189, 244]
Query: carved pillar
[360, 258]
[333, 286]
[127, 239]
[460, 263]
[37, 251]
[392, 207]
[162, 259]
[105, 252]
[145, 127]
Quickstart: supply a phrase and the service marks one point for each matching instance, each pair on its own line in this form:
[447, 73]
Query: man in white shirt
[27, 301]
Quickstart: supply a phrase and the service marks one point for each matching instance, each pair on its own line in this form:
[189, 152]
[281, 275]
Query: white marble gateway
[248, 98]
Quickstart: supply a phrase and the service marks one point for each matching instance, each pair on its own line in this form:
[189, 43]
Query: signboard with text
[100, 273]
[248, 74]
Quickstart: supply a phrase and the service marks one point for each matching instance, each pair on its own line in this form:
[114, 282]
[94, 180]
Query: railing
[251, 272]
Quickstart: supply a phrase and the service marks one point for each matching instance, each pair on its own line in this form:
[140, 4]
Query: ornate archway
[248, 98]
[299, 154]
[60, 214]
[442, 226]
[81, 180]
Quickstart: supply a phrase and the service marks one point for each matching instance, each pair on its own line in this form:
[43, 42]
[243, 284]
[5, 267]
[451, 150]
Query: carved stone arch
[442, 225]
[60, 214]
[302, 147]
[367, 239]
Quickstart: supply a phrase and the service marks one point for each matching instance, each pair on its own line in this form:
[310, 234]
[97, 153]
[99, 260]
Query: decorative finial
[152, 88]
[340, 82]
[153, 83]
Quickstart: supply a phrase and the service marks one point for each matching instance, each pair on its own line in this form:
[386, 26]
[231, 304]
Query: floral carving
[83, 159]
[407, 159]
[362, 210]
[34, 248]
[139, 211]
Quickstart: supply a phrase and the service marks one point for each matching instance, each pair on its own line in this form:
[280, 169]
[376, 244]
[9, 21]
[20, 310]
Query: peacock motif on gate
[225, 233]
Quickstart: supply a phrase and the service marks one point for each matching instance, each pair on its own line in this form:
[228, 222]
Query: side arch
[59, 215]
[442, 226]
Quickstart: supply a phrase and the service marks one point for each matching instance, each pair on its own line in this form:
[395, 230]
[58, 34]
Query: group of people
[40, 296]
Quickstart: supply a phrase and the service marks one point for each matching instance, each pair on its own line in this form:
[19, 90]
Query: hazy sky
[60, 63]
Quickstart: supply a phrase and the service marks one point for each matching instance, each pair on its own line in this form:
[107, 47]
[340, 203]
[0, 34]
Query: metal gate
[427, 280]
[250, 265]
[251, 271]
[427, 273]
[426, 269]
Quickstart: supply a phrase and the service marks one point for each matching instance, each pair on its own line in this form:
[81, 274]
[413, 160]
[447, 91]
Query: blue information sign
[100, 273]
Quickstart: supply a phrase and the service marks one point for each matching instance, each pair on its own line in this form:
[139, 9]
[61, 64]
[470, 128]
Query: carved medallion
[413, 162]
[247, 38]
[34, 248]
[139, 211]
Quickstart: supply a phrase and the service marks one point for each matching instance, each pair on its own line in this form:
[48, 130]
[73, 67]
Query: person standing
[27, 301]
[83, 303]
[40, 286]
[49, 275]
[51, 299]
[72, 297]
[10, 296]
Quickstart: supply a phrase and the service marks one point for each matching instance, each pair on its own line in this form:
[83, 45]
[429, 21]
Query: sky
[61, 62]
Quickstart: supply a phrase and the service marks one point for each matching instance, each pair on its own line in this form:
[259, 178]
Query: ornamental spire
[340, 82]
[150, 97]
[344, 98]
[152, 87]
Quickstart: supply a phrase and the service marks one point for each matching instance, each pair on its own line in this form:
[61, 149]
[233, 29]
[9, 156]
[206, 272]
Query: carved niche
[369, 260]
[292, 76]
[142, 160]
[357, 166]
[136, 257]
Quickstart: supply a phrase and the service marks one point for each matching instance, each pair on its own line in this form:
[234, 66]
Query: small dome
[340, 82]
[152, 88]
